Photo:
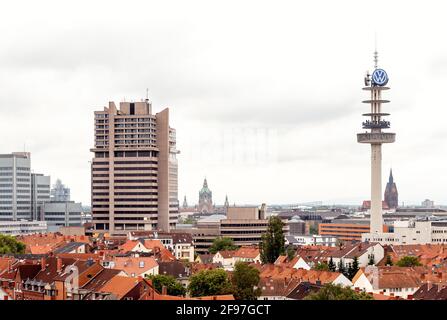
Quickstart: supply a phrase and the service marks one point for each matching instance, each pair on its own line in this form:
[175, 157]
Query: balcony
[376, 137]
[381, 124]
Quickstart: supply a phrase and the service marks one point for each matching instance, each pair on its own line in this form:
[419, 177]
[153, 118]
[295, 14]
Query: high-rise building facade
[22, 193]
[134, 169]
[40, 193]
[391, 195]
[60, 192]
[15, 186]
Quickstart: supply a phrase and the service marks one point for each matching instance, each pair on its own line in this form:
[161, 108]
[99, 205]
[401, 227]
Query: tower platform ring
[376, 137]
[376, 101]
[375, 88]
[381, 114]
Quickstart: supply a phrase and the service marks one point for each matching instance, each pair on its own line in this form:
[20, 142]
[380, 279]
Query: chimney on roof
[58, 264]
[43, 264]
[164, 290]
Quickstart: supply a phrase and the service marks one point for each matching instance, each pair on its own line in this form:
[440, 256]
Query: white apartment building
[22, 227]
[411, 232]
[311, 240]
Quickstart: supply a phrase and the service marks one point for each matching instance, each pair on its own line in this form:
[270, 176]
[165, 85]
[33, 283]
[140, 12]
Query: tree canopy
[10, 245]
[353, 268]
[174, 288]
[244, 280]
[220, 244]
[272, 243]
[291, 252]
[321, 266]
[338, 292]
[408, 261]
[209, 283]
[331, 265]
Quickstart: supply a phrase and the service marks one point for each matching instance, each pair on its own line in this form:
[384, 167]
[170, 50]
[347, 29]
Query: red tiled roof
[129, 245]
[134, 266]
[119, 286]
[246, 252]
[227, 254]
[281, 272]
[101, 279]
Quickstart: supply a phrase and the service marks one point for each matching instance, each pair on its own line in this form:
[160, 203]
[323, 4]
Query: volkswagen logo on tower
[379, 77]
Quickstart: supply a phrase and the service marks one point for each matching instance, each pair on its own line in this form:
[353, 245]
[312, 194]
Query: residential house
[225, 258]
[364, 252]
[430, 291]
[204, 258]
[183, 246]
[72, 247]
[133, 266]
[248, 254]
[302, 290]
[396, 283]
[176, 269]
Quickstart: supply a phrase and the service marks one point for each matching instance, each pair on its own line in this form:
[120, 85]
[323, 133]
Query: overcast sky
[265, 96]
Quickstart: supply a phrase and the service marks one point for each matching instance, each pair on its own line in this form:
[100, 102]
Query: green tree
[341, 266]
[408, 261]
[209, 283]
[220, 244]
[10, 245]
[321, 266]
[313, 229]
[244, 280]
[331, 265]
[353, 268]
[174, 288]
[388, 261]
[338, 292]
[272, 244]
[291, 252]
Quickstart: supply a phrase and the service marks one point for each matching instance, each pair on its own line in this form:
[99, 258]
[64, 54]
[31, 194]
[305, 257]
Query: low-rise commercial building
[343, 231]
[22, 227]
[62, 214]
[246, 225]
[411, 232]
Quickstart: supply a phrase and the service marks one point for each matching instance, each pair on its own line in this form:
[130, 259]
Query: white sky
[265, 96]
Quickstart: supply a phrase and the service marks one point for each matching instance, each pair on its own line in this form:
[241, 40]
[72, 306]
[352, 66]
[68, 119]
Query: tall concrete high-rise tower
[134, 169]
[375, 84]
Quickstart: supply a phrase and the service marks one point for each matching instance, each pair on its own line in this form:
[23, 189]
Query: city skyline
[270, 119]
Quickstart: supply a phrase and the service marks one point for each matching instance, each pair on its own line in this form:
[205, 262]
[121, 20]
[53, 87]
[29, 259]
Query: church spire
[205, 183]
[391, 178]
[185, 203]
